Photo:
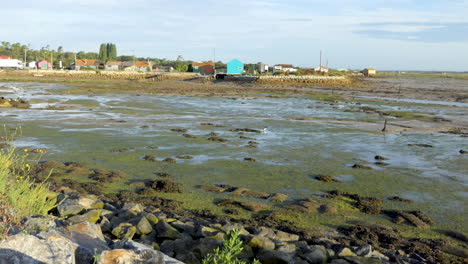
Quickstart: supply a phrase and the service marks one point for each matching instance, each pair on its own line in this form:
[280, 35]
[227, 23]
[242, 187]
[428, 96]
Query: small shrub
[19, 196]
[228, 252]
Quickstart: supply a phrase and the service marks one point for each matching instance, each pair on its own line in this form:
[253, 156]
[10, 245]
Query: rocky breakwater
[115, 229]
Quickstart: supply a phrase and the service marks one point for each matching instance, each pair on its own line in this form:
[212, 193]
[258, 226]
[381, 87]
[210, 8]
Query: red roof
[114, 63]
[86, 62]
[4, 57]
[141, 64]
[198, 64]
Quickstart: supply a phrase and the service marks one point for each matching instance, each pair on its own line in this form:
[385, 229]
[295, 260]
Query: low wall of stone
[305, 79]
[111, 75]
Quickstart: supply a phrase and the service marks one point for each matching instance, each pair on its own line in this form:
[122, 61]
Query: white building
[321, 69]
[32, 65]
[284, 68]
[262, 67]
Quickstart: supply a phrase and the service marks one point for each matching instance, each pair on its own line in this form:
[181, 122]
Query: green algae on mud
[286, 156]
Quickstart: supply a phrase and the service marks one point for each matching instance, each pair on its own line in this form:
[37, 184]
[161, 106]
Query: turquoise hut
[235, 67]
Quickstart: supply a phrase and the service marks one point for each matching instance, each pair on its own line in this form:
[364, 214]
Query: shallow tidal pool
[302, 138]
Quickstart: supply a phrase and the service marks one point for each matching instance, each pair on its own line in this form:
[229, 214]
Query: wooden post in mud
[384, 129]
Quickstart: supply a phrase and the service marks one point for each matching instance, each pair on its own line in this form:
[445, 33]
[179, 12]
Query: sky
[426, 35]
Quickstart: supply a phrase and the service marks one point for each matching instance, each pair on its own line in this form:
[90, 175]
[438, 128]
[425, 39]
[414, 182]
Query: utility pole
[25, 52]
[214, 60]
[320, 60]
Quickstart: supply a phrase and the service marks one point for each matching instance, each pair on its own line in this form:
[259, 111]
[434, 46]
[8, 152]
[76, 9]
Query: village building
[85, 64]
[263, 68]
[163, 68]
[205, 68]
[44, 65]
[139, 66]
[143, 66]
[322, 69]
[369, 72]
[5, 58]
[284, 68]
[235, 67]
[32, 65]
[113, 66]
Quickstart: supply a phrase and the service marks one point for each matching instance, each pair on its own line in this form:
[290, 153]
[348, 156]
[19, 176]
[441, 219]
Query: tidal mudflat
[293, 145]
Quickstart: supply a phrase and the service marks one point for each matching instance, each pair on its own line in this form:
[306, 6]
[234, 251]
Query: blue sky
[385, 34]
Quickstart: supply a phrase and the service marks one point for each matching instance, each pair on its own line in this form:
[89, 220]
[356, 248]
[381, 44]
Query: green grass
[462, 76]
[19, 196]
[228, 252]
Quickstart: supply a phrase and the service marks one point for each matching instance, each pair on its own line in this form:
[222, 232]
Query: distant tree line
[107, 52]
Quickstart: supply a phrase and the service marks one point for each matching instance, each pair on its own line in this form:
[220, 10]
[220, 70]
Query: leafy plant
[19, 195]
[227, 253]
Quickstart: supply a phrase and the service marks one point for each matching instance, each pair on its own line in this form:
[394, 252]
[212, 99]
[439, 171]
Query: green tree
[103, 52]
[181, 66]
[112, 52]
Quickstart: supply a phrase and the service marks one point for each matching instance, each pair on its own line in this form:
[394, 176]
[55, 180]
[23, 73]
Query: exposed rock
[457, 235]
[306, 206]
[166, 231]
[84, 246]
[360, 166]
[247, 130]
[38, 223]
[364, 251]
[378, 157]
[260, 242]
[276, 257]
[144, 226]
[249, 193]
[317, 255]
[339, 261]
[217, 139]
[345, 252]
[328, 209]
[164, 175]
[180, 130]
[28, 249]
[184, 157]
[371, 234]
[361, 260]
[399, 199]
[170, 160]
[88, 229]
[421, 145]
[326, 178]
[369, 205]
[215, 189]
[285, 237]
[91, 216]
[122, 150]
[165, 186]
[106, 176]
[249, 206]
[414, 218]
[149, 158]
[126, 256]
[83, 188]
[278, 197]
[70, 206]
[189, 136]
[124, 230]
[381, 163]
